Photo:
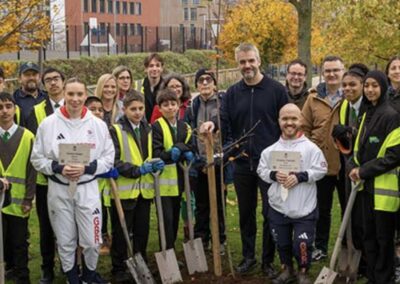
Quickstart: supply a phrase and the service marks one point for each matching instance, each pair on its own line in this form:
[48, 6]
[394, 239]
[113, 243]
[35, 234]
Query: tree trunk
[304, 12]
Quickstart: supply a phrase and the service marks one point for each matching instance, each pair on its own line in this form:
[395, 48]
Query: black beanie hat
[204, 71]
[382, 80]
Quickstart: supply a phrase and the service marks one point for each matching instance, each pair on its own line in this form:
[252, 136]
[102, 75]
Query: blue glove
[158, 166]
[146, 168]
[113, 173]
[189, 156]
[175, 154]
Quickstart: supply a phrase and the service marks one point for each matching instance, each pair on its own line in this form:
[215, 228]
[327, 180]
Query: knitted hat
[202, 72]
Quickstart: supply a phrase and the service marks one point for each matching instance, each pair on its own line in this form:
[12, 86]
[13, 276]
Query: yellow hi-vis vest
[130, 188]
[343, 112]
[17, 115]
[139, 86]
[105, 190]
[386, 186]
[16, 175]
[169, 176]
[40, 115]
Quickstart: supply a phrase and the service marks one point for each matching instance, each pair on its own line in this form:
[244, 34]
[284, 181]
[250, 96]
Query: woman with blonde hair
[107, 91]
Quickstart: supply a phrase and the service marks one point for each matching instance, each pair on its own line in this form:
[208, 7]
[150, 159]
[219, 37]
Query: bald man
[293, 194]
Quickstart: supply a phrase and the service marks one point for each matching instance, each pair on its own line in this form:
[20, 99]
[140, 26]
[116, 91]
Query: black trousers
[47, 238]
[378, 239]
[199, 185]
[104, 218]
[325, 188]
[246, 185]
[15, 236]
[171, 206]
[137, 217]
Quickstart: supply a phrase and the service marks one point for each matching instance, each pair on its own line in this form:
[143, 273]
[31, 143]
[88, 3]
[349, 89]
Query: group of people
[344, 131]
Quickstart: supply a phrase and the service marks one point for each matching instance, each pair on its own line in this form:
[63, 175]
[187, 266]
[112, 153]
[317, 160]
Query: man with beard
[149, 86]
[53, 81]
[296, 82]
[29, 94]
[256, 99]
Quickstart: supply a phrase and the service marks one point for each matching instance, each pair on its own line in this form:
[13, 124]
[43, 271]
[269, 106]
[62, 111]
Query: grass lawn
[234, 242]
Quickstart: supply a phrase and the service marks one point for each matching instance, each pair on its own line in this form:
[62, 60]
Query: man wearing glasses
[53, 81]
[296, 82]
[320, 112]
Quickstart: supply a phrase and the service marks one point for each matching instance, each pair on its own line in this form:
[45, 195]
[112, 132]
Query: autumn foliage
[23, 24]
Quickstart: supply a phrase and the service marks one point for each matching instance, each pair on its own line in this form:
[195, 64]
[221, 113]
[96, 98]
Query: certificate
[72, 154]
[285, 161]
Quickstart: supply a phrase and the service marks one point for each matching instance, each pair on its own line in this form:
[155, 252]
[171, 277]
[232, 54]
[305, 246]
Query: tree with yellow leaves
[23, 23]
[270, 25]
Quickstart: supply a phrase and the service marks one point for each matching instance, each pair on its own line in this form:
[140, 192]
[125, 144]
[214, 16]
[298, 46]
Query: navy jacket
[242, 107]
[26, 102]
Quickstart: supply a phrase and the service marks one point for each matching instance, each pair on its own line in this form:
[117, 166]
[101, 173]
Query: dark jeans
[325, 188]
[15, 236]
[171, 206]
[246, 186]
[378, 239]
[199, 185]
[293, 236]
[47, 238]
[137, 217]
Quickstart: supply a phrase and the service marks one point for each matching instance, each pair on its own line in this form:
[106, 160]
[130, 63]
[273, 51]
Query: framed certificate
[74, 154]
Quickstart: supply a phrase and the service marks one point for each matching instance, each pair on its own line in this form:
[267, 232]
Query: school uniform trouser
[47, 239]
[293, 236]
[137, 217]
[171, 206]
[104, 218]
[325, 188]
[15, 236]
[199, 185]
[246, 186]
[378, 239]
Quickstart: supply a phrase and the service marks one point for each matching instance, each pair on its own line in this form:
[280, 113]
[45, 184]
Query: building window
[193, 14]
[118, 29]
[102, 6]
[132, 29]
[184, 2]
[103, 29]
[124, 8]
[186, 14]
[86, 6]
[110, 6]
[132, 8]
[139, 29]
[117, 7]
[196, 2]
[94, 6]
[125, 29]
[85, 27]
[138, 8]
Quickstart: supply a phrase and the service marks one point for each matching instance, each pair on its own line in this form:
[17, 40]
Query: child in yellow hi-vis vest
[133, 152]
[17, 174]
[171, 143]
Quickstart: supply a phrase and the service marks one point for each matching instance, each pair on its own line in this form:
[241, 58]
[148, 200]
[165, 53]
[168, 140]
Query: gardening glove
[340, 131]
[175, 154]
[158, 166]
[146, 168]
[189, 156]
[113, 173]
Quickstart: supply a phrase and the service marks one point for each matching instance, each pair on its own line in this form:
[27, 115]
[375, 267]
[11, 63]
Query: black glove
[341, 131]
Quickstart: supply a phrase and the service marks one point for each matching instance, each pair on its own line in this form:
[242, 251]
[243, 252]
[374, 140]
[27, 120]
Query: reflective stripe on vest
[343, 112]
[139, 86]
[16, 174]
[17, 115]
[40, 115]
[169, 176]
[130, 188]
[386, 186]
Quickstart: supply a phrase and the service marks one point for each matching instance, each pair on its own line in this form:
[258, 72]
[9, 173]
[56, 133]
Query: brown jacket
[318, 119]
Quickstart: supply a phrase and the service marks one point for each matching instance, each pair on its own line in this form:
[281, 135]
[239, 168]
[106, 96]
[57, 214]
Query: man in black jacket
[296, 84]
[254, 101]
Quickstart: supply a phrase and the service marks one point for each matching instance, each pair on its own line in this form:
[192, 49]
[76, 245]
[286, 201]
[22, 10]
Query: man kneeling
[292, 165]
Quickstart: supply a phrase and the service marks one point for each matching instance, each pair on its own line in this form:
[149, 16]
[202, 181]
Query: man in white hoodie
[76, 212]
[292, 196]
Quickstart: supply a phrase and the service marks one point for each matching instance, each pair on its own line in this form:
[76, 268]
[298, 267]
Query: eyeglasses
[294, 74]
[175, 87]
[205, 80]
[123, 78]
[336, 70]
[50, 80]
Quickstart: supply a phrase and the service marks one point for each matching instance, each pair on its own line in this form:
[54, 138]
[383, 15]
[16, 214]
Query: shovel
[136, 265]
[166, 259]
[328, 275]
[193, 249]
[349, 258]
[2, 271]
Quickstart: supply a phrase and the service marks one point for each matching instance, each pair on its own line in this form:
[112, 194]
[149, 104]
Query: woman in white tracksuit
[75, 215]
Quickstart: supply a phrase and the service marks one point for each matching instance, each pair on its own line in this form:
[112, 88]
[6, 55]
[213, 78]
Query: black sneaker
[269, 271]
[93, 278]
[246, 265]
[47, 276]
[286, 276]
